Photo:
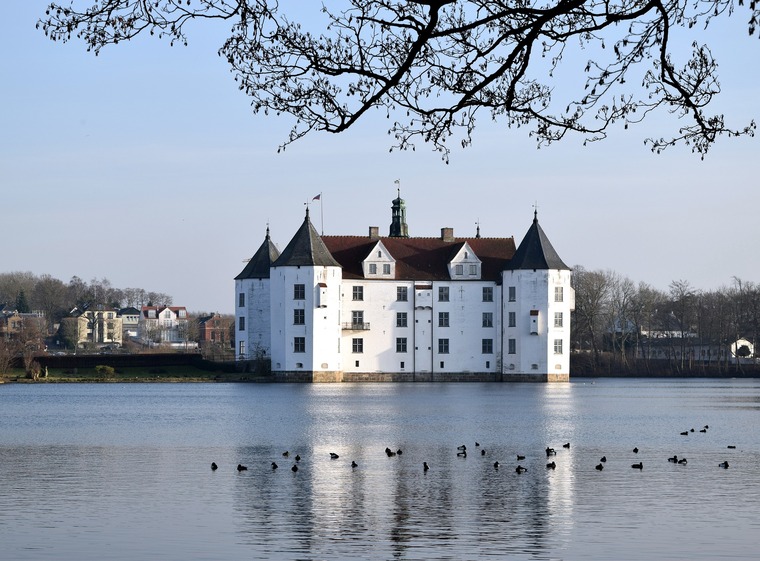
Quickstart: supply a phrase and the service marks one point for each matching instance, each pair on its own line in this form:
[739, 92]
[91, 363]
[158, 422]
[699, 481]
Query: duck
[463, 448]
[294, 468]
[551, 465]
[640, 465]
[702, 430]
[334, 456]
[298, 457]
[682, 461]
[550, 451]
[496, 465]
[685, 433]
[354, 464]
[603, 459]
[399, 452]
[390, 453]
[724, 465]
[477, 444]
[674, 459]
[462, 453]
[706, 427]
[285, 454]
[520, 469]
[214, 466]
[731, 447]
[483, 452]
[566, 445]
[599, 467]
[636, 450]
[241, 467]
[520, 457]
[425, 466]
[274, 465]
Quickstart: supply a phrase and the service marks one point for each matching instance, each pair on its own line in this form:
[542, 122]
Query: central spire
[399, 228]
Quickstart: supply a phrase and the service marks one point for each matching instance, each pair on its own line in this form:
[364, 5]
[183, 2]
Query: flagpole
[322, 213]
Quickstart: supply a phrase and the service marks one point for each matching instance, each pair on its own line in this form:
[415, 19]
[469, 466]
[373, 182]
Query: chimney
[374, 232]
[447, 234]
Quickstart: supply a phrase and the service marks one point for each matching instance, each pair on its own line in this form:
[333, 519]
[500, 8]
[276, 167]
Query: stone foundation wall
[322, 377]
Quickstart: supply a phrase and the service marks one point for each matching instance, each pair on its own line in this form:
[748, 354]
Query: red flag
[318, 197]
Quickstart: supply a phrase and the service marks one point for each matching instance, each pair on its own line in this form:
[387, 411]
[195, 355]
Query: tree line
[27, 292]
[622, 327]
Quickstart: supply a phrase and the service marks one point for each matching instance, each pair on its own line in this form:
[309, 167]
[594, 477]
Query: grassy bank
[165, 374]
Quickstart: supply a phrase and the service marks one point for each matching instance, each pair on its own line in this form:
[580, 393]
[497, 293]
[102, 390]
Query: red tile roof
[420, 258]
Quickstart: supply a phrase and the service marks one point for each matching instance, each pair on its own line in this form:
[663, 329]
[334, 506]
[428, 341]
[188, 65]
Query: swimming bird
[685, 433]
[462, 447]
[399, 452]
[635, 450]
[294, 468]
[692, 429]
[334, 456]
[724, 465]
[462, 454]
[674, 459]
[354, 464]
[214, 466]
[702, 430]
[640, 465]
[425, 466]
[286, 454]
[519, 457]
[551, 465]
[520, 469]
[496, 465]
[706, 427]
[241, 467]
[274, 465]
[600, 467]
[603, 459]
[682, 461]
[566, 445]
[483, 452]
[477, 444]
[390, 453]
[550, 451]
[298, 457]
[731, 447]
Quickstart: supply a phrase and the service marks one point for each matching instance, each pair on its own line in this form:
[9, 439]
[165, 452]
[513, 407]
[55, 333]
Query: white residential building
[354, 308]
[163, 325]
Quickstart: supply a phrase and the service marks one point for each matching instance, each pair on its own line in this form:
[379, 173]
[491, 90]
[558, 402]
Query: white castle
[399, 308]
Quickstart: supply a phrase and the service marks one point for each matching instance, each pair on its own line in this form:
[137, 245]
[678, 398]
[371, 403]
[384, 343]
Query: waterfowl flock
[461, 452]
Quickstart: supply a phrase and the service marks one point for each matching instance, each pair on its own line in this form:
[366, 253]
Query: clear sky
[146, 166]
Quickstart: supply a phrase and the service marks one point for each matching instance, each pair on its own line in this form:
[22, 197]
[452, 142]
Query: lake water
[122, 472]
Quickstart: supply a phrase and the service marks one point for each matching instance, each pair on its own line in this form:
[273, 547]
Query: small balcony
[356, 327]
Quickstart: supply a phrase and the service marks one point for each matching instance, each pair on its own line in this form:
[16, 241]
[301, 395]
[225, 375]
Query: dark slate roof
[420, 258]
[535, 251]
[306, 249]
[258, 266]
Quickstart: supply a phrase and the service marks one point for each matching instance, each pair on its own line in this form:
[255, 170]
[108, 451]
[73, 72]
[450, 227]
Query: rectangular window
[559, 294]
[487, 346]
[473, 269]
[401, 319]
[372, 269]
[512, 294]
[459, 270]
[487, 319]
[299, 317]
[299, 344]
[488, 294]
[512, 346]
[557, 319]
[241, 348]
[558, 346]
[386, 268]
[357, 318]
[512, 319]
[357, 293]
[357, 345]
[443, 319]
[299, 292]
[443, 293]
[241, 299]
[443, 346]
[241, 323]
[402, 294]
[400, 344]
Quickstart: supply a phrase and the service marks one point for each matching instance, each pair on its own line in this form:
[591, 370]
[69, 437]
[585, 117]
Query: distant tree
[49, 296]
[592, 289]
[435, 65]
[22, 305]
[9, 349]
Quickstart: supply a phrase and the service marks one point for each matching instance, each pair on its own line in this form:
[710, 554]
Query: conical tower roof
[258, 266]
[306, 249]
[536, 251]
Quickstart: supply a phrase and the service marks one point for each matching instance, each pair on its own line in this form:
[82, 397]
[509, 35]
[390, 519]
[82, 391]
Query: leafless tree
[434, 66]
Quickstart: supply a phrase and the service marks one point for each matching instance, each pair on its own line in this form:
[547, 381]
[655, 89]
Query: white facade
[345, 308]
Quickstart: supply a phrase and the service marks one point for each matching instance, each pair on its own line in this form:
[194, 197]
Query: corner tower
[305, 310]
[252, 321]
[537, 301]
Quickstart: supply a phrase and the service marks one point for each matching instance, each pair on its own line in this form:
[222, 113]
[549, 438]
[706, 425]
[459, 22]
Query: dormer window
[459, 270]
